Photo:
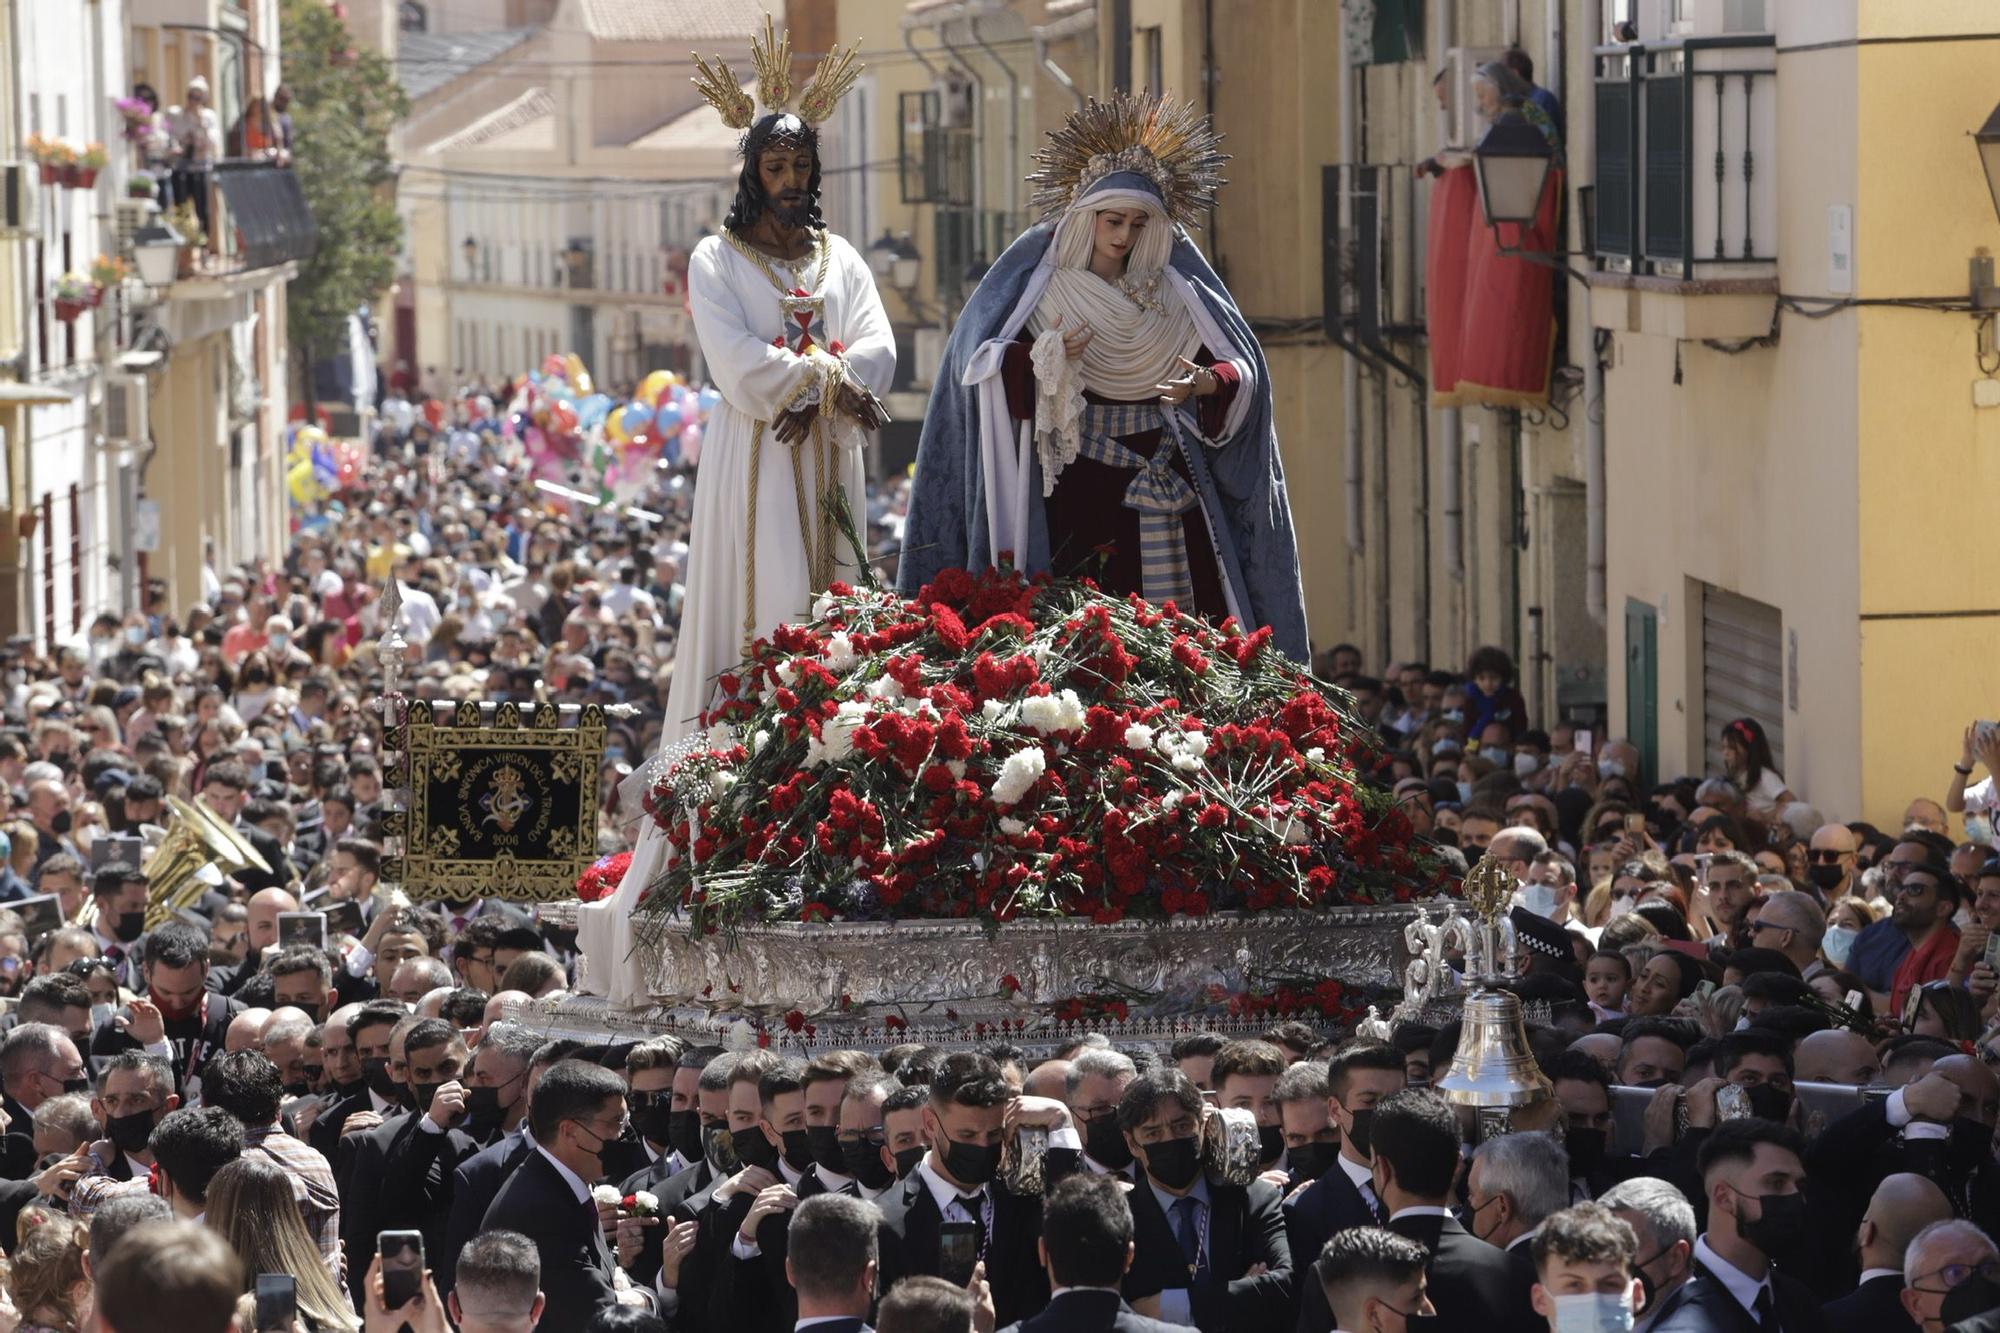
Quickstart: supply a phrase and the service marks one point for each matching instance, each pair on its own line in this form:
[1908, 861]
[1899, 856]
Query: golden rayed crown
[771, 57]
[1170, 143]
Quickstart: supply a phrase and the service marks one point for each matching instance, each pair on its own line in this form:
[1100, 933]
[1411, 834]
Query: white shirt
[946, 1195]
[1898, 1113]
[571, 1178]
[1363, 1179]
[1420, 1210]
[1741, 1287]
[1870, 1274]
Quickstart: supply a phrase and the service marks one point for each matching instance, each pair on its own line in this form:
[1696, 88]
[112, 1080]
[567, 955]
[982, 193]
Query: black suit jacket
[474, 1186]
[361, 1171]
[1709, 1308]
[909, 1240]
[1329, 1206]
[576, 1263]
[1472, 1284]
[418, 1177]
[1876, 1306]
[325, 1132]
[1090, 1310]
[1246, 1227]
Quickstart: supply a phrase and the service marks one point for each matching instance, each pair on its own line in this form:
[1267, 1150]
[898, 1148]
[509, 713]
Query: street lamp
[903, 271]
[882, 254]
[1513, 160]
[1987, 136]
[156, 250]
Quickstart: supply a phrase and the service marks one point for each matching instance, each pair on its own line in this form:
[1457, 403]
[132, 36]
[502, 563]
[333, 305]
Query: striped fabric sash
[1158, 494]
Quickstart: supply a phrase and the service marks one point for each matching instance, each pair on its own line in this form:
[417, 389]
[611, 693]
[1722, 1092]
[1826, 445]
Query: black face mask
[798, 1149]
[483, 1112]
[1105, 1143]
[1586, 1152]
[1309, 1161]
[718, 1149]
[825, 1145]
[906, 1160]
[1175, 1162]
[1780, 1226]
[78, 1084]
[1660, 1082]
[131, 925]
[1768, 1101]
[131, 1133]
[684, 1133]
[1825, 876]
[971, 1164]
[1359, 1134]
[303, 1088]
[351, 1089]
[1270, 1142]
[1970, 1298]
[862, 1159]
[375, 1073]
[421, 1095]
[753, 1149]
[655, 1123]
[59, 822]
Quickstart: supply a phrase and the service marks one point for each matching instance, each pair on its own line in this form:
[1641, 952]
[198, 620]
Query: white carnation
[1049, 713]
[1187, 762]
[1196, 742]
[886, 689]
[647, 1201]
[1021, 771]
[956, 767]
[823, 606]
[1012, 827]
[839, 653]
[1316, 755]
[721, 736]
[721, 781]
[759, 741]
[999, 713]
[836, 735]
[606, 1194]
[788, 673]
[1138, 736]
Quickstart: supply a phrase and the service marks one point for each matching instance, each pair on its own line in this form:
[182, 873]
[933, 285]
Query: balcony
[258, 221]
[1686, 185]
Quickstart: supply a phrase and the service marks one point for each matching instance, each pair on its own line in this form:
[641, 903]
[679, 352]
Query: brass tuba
[195, 840]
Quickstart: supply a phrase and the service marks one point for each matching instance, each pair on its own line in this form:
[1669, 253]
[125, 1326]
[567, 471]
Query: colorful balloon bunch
[318, 466]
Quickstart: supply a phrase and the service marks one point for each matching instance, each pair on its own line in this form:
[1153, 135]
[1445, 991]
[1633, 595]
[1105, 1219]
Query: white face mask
[1610, 768]
[1527, 764]
[1836, 944]
[1539, 899]
[1593, 1312]
[1623, 907]
[1979, 828]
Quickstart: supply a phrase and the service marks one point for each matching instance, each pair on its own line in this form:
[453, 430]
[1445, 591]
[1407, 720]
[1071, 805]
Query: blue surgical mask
[1593, 1312]
[1539, 899]
[1527, 763]
[1465, 793]
[1454, 715]
[1610, 768]
[1839, 941]
[1979, 828]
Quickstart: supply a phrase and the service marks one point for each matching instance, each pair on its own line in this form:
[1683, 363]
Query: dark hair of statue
[751, 201]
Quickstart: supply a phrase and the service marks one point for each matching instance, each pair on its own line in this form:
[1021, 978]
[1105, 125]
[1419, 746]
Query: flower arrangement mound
[1003, 748]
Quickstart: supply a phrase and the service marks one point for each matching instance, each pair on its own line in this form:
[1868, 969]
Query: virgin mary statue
[1103, 409]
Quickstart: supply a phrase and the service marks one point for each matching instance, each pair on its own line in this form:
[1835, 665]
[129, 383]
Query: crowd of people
[1804, 1008]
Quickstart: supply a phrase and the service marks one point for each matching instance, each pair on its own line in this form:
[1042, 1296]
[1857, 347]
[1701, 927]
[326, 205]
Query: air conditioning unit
[133, 214]
[928, 348]
[1461, 105]
[14, 206]
[127, 409]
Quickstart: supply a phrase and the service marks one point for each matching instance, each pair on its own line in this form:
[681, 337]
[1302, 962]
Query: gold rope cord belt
[816, 531]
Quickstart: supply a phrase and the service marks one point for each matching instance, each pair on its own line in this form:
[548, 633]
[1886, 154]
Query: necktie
[974, 1206]
[1767, 1312]
[1187, 1231]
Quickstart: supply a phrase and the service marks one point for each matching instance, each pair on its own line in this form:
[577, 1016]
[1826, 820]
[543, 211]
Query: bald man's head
[1603, 1047]
[264, 906]
[496, 1006]
[1047, 1079]
[1904, 1204]
[246, 1031]
[1836, 1056]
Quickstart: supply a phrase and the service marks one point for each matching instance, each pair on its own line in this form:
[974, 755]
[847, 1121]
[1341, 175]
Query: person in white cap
[197, 136]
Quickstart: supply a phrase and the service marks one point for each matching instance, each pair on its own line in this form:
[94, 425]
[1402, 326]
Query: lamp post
[156, 249]
[882, 254]
[1985, 294]
[903, 271]
[1513, 160]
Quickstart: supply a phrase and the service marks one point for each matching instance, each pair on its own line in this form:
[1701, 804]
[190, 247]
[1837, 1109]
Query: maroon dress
[1092, 533]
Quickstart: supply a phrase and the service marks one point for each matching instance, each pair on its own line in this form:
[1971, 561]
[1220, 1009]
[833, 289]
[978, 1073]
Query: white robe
[738, 318]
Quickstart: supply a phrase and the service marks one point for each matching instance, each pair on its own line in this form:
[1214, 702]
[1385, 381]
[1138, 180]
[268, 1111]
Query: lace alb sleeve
[1058, 407]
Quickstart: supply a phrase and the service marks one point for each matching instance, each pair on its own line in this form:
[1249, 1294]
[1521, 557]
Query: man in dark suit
[1415, 1139]
[1517, 1182]
[1751, 1170]
[1358, 1076]
[833, 1261]
[1086, 1246]
[1663, 1220]
[479, 1177]
[1902, 1206]
[1365, 1271]
[972, 1110]
[424, 1155]
[1947, 1268]
[1205, 1253]
[577, 1108]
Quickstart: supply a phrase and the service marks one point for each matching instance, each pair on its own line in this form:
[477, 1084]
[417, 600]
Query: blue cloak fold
[1242, 484]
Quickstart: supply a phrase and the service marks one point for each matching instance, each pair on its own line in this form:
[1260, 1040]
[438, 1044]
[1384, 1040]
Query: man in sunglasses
[1830, 861]
[1880, 950]
[1925, 899]
[1949, 1271]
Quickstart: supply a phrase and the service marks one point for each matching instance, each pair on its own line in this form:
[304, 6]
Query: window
[1742, 671]
[1152, 56]
[412, 18]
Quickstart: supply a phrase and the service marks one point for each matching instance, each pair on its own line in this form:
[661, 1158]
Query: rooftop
[426, 62]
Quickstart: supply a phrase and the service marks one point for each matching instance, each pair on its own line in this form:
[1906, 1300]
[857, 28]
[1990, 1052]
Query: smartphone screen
[402, 1266]
[1635, 824]
[277, 1302]
[1583, 740]
[958, 1251]
[307, 928]
[1703, 989]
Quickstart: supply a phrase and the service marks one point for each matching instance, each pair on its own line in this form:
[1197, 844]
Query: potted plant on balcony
[142, 185]
[106, 272]
[184, 221]
[53, 156]
[137, 114]
[73, 295]
[83, 175]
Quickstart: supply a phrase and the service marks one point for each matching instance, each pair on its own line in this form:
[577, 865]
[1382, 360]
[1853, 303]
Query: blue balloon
[638, 416]
[591, 411]
[669, 419]
[707, 399]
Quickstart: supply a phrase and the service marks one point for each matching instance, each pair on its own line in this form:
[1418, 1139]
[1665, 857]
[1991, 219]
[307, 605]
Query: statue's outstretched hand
[792, 427]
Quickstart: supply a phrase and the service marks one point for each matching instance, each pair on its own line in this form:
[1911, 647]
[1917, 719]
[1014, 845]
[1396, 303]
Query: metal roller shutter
[1742, 671]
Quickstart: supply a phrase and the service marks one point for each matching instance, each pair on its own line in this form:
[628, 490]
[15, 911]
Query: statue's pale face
[1115, 233]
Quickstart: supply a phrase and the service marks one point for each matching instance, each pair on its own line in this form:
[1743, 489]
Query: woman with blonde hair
[45, 1276]
[250, 1205]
